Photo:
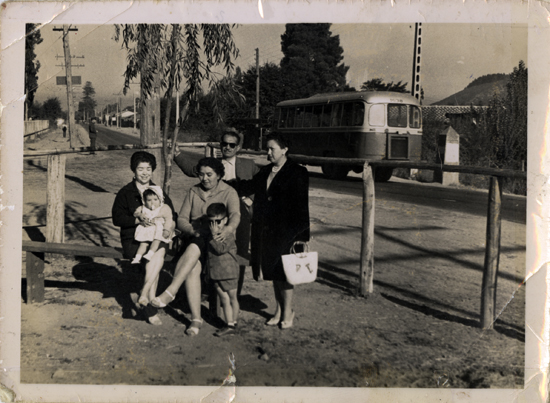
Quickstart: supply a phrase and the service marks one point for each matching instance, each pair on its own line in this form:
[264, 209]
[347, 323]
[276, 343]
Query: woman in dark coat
[281, 218]
[127, 200]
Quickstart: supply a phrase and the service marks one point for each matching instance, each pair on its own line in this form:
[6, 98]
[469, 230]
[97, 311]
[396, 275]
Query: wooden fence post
[35, 277]
[55, 207]
[492, 253]
[367, 234]
[208, 152]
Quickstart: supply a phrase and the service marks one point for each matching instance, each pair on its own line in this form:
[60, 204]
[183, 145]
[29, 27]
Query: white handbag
[300, 267]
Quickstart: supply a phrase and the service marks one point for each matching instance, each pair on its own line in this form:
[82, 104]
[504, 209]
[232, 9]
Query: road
[430, 195]
[108, 137]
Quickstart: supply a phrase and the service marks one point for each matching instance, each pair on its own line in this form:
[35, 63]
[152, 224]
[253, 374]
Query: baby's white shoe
[148, 255]
[137, 259]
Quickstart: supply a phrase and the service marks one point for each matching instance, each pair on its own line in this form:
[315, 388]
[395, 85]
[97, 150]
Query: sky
[453, 55]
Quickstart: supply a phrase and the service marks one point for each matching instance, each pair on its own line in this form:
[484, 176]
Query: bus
[375, 125]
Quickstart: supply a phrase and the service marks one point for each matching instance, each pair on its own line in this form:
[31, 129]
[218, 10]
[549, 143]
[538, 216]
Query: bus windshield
[397, 115]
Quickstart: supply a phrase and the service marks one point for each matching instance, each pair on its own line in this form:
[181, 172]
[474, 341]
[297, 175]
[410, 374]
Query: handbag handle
[306, 248]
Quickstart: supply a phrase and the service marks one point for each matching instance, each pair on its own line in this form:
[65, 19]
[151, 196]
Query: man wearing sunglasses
[236, 169]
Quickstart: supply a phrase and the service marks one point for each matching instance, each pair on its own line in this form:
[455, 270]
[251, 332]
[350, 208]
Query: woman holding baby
[136, 215]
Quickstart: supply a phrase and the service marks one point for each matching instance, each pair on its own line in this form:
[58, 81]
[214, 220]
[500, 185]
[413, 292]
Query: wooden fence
[33, 127]
[56, 165]
[492, 248]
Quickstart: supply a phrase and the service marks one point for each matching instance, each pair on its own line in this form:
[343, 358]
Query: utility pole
[258, 98]
[70, 105]
[416, 83]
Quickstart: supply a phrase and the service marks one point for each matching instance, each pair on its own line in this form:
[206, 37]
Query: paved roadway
[429, 195]
[108, 137]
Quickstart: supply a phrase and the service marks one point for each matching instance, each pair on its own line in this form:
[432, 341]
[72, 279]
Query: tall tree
[377, 84]
[51, 109]
[32, 38]
[88, 104]
[271, 92]
[165, 56]
[312, 61]
[510, 125]
[498, 138]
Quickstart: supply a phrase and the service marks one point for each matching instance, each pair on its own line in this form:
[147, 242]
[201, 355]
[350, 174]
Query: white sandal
[157, 303]
[274, 321]
[154, 320]
[193, 330]
[288, 324]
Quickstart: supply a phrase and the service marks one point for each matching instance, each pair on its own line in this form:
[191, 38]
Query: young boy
[223, 267]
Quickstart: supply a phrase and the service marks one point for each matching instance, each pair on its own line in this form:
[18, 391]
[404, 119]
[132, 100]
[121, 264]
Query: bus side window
[347, 114]
[376, 115]
[397, 115]
[308, 114]
[290, 117]
[414, 117]
[316, 117]
[325, 117]
[299, 116]
[335, 116]
[358, 113]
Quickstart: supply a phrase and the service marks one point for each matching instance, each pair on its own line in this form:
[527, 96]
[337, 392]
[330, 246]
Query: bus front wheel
[382, 174]
[332, 171]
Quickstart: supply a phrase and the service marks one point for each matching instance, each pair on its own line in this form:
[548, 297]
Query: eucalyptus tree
[377, 84]
[175, 58]
[88, 104]
[312, 61]
[32, 38]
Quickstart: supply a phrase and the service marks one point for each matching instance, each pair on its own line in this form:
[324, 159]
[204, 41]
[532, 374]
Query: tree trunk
[166, 154]
[168, 171]
[150, 125]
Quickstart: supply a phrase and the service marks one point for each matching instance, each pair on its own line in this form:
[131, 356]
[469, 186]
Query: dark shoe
[226, 331]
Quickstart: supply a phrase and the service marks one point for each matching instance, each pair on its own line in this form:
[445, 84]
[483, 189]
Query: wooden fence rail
[492, 244]
[33, 127]
[77, 150]
[492, 251]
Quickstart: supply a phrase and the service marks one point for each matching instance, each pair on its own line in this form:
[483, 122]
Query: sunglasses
[230, 145]
[218, 222]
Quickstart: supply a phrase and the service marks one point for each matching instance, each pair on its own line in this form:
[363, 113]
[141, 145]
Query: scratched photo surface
[434, 298]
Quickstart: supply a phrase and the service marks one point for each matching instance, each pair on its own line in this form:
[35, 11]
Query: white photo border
[15, 14]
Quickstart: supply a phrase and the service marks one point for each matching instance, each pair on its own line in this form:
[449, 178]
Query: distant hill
[479, 92]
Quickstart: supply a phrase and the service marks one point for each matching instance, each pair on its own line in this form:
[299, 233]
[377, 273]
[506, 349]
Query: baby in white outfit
[161, 227]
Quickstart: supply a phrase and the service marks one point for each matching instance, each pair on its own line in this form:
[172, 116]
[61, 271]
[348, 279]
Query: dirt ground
[420, 327]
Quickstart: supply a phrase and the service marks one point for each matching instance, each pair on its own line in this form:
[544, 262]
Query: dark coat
[281, 215]
[244, 168]
[92, 130]
[127, 200]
